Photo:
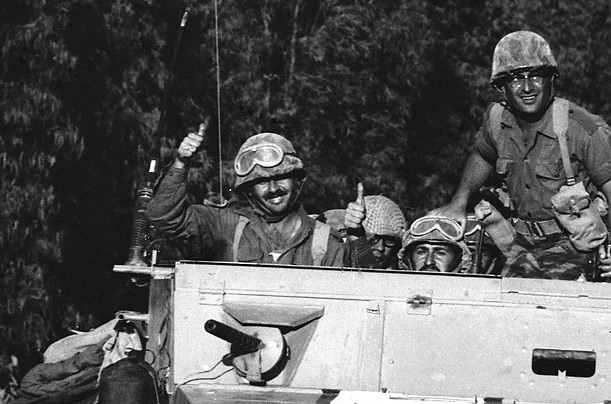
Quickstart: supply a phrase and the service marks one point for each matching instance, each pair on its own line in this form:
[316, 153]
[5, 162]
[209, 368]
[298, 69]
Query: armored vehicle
[240, 333]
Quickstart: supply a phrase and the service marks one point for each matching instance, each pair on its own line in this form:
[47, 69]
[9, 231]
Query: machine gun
[259, 357]
[140, 238]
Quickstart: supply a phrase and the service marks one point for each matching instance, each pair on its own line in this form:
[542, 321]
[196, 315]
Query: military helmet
[519, 50]
[383, 217]
[433, 230]
[265, 155]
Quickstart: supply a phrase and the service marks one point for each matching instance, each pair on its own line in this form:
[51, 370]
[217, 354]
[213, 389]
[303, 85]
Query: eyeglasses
[388, 241]
[536, 77]
[266, 155]
[448, 227]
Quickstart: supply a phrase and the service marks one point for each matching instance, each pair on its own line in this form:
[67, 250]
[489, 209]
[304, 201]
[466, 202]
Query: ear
[499, 89]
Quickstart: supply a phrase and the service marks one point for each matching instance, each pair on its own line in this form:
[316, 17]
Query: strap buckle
[535, 229]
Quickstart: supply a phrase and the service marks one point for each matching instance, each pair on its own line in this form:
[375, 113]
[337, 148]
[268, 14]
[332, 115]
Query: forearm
[606, 190]
[168, 208]
[475, 173]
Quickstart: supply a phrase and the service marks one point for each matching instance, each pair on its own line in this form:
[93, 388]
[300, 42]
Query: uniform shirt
[534, 171]
[211, 229]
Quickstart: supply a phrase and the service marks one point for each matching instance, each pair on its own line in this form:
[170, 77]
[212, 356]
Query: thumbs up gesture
[189, 145]
[355, 213]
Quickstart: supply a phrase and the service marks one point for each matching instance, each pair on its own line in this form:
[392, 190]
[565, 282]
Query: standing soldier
[521, 139]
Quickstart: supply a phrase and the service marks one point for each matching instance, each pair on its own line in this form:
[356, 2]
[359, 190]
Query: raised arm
[168, 209]
[475, 173]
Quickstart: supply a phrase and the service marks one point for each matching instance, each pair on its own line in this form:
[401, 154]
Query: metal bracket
[419, 302]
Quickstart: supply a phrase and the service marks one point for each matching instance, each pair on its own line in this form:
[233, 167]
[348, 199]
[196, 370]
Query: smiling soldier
[539, 144]
[267, 225]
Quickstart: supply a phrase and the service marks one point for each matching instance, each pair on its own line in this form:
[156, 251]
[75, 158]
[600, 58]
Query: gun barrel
[240, 342]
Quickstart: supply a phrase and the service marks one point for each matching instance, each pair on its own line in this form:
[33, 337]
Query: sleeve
[598, 156]
[361, 255]
[198, 228]
[168, 209]
[337, 254]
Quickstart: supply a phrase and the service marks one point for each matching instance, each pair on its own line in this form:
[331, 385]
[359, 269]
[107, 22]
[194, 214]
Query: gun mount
[258, 358]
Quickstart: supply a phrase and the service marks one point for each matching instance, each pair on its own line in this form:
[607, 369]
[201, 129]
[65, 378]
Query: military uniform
[533, 170]
[213, 229]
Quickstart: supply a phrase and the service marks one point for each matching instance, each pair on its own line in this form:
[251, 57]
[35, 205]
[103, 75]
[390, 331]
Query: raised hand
[189, 145]
[355, 212]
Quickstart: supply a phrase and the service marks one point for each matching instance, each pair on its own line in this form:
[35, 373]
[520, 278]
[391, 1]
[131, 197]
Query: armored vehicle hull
[371, 336]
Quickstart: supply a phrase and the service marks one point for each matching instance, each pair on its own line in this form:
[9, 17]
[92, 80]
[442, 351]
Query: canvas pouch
[579, 216]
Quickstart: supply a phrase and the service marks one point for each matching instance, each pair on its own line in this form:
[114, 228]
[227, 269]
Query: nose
[430, 258]
[379, 245]
[527, 85]
[273, 186]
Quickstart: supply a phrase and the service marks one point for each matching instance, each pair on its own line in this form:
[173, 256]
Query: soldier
[520, 139]
[381, 223]
[434, 243]
[267, 225]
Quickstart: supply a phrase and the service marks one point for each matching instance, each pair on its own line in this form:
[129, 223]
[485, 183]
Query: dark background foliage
[388, 93]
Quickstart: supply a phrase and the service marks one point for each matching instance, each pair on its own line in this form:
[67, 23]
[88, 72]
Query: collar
[545, 125]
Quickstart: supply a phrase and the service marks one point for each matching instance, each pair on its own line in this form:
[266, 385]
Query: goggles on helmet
[448, 227]
[265, 155]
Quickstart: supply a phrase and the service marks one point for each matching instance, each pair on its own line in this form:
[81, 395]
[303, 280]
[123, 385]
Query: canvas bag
[572, 205]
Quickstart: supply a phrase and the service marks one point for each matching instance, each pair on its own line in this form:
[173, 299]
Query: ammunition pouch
[579, 216]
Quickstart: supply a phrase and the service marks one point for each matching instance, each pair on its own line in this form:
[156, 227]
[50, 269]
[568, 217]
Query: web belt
[539, 228]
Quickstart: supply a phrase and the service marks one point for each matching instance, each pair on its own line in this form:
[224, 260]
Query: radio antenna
[218, 97]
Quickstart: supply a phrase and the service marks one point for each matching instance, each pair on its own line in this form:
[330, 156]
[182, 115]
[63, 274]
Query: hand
[487, 214]
[604, 263]
[189, 145]
[451, 211]
[355, 213]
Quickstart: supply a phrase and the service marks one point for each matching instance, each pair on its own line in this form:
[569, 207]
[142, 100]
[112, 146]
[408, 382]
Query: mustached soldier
[268, 225]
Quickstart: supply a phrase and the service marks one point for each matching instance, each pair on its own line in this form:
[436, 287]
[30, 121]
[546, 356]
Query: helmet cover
[519, 50]
[383, 217]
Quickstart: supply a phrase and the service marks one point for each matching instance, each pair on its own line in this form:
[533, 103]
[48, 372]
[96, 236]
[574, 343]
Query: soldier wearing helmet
[266, 225]
[379, 222]
[519, 142]
[435, 244]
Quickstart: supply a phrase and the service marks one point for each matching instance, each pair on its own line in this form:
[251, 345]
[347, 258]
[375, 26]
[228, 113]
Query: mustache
[276, 193]
[432, 267]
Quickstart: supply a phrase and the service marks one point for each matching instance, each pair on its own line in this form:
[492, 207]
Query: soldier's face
[384, 249]
[432, 257]
[528, 94]
[275, 194]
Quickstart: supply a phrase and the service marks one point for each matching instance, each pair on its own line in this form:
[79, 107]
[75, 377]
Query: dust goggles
[448, 227]
[265, 155]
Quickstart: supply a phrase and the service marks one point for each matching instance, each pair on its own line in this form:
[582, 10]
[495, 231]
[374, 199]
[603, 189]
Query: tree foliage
[381, 92]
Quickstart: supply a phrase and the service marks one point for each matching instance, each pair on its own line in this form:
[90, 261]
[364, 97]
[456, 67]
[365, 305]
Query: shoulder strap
[496, 116]
[237, 236]
[560, 116]
[320, 240]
